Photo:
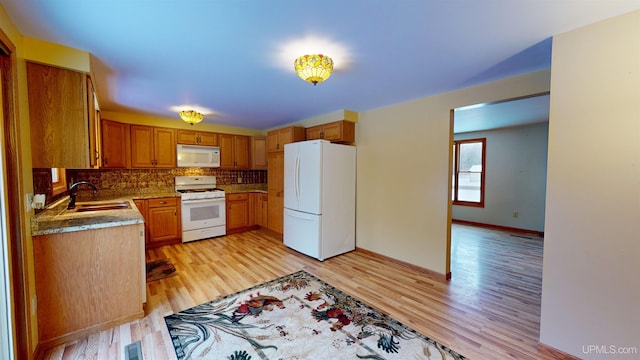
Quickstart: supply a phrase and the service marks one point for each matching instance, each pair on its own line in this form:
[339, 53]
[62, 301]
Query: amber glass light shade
[314, 68]
[191, 116]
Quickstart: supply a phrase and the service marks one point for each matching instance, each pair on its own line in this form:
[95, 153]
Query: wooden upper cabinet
[59, 112]
[258, 153]
[191, 137]
[277, 139]
[339, 132]
[164, 141]
[152, 147]
[115, 144]
[234, 151]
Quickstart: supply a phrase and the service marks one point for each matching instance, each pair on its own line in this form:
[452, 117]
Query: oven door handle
[199, 201]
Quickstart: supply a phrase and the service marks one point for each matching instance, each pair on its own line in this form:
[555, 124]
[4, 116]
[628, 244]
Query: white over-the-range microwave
[198, 156]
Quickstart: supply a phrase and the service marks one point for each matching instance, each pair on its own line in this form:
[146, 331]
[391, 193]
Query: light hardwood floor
[489, 310]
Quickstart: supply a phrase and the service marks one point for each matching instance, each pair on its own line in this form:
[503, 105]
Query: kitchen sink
[83, 207]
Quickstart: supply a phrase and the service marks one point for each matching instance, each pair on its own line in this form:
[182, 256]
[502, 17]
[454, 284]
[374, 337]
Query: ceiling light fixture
[314, 68]
[191, 116]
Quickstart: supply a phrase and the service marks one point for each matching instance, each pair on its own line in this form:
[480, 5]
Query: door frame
[14, 240]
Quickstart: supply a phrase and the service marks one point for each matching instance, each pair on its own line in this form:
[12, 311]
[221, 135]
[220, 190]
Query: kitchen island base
[88, 281]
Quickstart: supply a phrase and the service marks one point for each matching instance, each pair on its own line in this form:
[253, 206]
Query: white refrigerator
[319, 198]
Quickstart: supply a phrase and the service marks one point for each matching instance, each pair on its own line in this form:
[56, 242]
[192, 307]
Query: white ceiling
[235, 57]
[501, 114]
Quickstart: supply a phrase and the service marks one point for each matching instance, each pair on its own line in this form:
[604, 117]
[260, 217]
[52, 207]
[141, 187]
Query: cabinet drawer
[238, 197]
[162, 202]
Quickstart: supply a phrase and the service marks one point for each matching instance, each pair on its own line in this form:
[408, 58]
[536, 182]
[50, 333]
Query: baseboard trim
[555, 353]
[428, 272]
[499, 227]
[81, 333]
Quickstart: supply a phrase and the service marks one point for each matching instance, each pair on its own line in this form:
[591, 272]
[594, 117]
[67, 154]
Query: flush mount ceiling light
[191, 116]
[314, 68]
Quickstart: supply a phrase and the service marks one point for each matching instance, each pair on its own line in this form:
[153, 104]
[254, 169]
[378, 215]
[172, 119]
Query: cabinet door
[264, 208]
[237, 211]
[207, 139]
[275, 185]
[163, 224]
[114, 144]
[259, 153]
[261, 209]
[226, 151]
[253, 208]
[93, 117]
[58, 117]
[241, 151]
[164, 147]
[314, 132]
[187, 137]
[272, 141]
[142, 146]
[339, 131]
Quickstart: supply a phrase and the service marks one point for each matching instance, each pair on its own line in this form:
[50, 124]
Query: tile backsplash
[143, 181]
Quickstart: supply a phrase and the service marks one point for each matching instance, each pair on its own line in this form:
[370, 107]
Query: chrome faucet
[72, 194]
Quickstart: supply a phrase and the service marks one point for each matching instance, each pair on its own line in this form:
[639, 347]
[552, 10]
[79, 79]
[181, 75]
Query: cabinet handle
[105, 160]
[97, 154]
[321, 134]
[163, 202]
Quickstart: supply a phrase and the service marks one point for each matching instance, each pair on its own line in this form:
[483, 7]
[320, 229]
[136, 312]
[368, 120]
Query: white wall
[516, 175]
[591, 285]
[403, 170]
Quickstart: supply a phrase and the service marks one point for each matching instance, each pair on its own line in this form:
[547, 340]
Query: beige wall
[516, 160]
[403, 170]
[590, 289]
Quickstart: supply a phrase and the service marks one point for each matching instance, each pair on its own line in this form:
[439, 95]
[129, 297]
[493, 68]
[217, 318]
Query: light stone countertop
[56, 219]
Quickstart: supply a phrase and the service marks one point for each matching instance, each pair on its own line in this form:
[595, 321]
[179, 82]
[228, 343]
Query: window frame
[456, 172]
[59, 186]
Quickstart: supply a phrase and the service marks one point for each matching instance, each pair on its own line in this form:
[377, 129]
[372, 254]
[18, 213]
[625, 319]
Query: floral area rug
[297, 316]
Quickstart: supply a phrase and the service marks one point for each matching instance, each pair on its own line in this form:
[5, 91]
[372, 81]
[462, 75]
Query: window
[58, 181]
[468, 172]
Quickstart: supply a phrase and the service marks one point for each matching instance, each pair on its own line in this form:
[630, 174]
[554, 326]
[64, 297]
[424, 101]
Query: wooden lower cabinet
[239, 214]
[162, 220]
[88, 281]
[260, 209]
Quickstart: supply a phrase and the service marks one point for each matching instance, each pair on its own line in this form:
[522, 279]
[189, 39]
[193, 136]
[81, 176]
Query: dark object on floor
[160, 269]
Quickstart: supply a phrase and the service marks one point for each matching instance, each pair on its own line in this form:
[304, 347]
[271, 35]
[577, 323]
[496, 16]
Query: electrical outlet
[29, 200]
[239, 180]
[515, 214]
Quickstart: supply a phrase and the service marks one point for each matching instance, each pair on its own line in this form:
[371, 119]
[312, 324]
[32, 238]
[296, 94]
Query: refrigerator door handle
[297, 179]
[300, 215]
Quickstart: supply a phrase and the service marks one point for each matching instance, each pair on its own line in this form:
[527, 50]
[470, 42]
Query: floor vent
[133, 351]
